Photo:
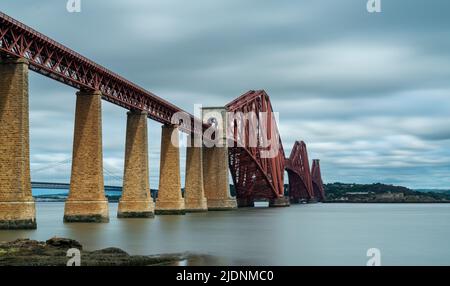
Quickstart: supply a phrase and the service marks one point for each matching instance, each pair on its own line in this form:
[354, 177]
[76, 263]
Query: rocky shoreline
[53, 252]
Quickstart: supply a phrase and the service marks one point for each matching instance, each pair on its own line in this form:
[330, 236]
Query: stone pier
[215, 163]
[87, 201]
[194, 193]
[279, 202]
[136, 201]
[245, 203]
[17, 208]
[216, 182]
[170, 200]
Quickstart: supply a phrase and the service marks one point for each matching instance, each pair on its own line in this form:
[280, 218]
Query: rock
[111, 250]
[64, 243]
[24, 243]
[53, 252]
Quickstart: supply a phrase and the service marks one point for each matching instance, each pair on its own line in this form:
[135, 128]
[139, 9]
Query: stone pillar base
[17, 209]
[17, 215]
[193, 206]
[312, 201]
[136, 209]
[279, 202]
[170, 200]
[86, 211]
[243, 203]
[194, 192]
[294, 201]
[170, 207]
[221, 205]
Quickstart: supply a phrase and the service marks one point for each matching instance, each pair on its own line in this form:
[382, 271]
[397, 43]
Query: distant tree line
[337, 190]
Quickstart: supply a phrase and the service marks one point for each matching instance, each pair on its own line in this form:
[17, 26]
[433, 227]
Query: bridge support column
[17, 208]
[245, 203]
[215, 163]
[87, 201]
[170, 200]
[279, 202]
[136, 201]
[194, 193]
[216, 182]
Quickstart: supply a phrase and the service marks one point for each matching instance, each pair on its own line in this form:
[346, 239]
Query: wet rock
[23, 243]
[53, 252]
[63, 243]
[111, 250]
[18, 224]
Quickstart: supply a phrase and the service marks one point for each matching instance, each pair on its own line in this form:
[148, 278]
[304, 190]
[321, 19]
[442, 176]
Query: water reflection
[317, 234]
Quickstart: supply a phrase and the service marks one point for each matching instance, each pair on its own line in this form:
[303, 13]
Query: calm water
[316, 234]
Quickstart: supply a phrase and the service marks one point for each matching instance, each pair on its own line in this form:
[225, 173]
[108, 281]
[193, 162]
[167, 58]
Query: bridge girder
[56, 61]
[255, 176]
[319, 190]
[297, 166]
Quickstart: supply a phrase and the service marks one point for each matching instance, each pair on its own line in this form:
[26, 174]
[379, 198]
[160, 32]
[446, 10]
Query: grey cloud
[360, 89]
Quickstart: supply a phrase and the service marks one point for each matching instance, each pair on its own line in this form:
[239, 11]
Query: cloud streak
[370, 94]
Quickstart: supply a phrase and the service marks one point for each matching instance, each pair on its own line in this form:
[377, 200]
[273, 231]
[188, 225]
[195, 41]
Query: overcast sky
[368, 93]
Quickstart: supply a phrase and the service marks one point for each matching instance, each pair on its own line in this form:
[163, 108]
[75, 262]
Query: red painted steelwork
[255, 177]
[319, 190]
[60, 63]
[300, 181]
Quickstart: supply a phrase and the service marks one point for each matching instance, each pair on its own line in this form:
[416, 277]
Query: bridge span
[257, 170]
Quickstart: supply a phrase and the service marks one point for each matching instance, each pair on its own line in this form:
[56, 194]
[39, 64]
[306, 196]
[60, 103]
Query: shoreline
[55, 252]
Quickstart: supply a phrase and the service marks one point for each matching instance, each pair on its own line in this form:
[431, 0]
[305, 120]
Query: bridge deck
[60, 63]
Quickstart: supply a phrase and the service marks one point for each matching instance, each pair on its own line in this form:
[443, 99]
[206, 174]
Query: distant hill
[382, 193]
[375, 188]
[433, 191]
[335, 192]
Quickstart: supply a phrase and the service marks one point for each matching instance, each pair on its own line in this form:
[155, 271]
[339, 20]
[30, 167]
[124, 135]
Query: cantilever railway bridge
[254, 176]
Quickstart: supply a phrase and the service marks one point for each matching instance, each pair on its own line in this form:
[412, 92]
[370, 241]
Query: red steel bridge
[300, 180]
[254, 176]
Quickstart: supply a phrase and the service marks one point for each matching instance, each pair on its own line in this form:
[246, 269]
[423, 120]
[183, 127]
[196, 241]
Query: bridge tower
[17, 208]
[300, 181]
[317, 182]
[256, 153]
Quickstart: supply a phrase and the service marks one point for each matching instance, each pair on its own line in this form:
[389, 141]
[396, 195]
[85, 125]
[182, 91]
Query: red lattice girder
[60, 63]
[297, 166]
[319, 190]
[254, 176]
